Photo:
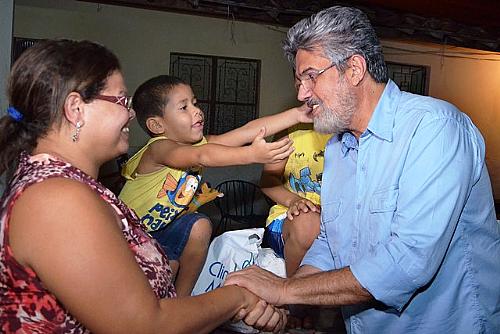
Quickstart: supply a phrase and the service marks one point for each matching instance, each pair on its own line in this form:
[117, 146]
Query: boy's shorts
[174, 237]
[273, 236]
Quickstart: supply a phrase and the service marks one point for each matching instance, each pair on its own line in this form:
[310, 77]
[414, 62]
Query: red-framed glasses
[124, 101]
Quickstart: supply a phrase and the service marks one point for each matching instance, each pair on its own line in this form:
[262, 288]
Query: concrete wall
[470, 79]
[143, 40]
[6, 23]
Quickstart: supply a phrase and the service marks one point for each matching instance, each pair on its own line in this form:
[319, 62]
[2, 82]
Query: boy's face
[182, 119]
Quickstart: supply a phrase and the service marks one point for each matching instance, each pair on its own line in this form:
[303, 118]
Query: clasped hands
[266, 313]
[262, 315]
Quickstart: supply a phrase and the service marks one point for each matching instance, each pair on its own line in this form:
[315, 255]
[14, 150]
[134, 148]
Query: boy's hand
[301, 205]
[304, 114]
[264, 152]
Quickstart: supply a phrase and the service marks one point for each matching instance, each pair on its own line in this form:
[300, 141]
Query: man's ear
[74, 108]
[155, 125]
[358, 69]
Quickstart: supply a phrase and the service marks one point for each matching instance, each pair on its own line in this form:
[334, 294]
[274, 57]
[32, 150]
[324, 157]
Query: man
[409, 242]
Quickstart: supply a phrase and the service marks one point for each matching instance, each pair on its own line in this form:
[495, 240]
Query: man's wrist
[250, 155]
[286, 298]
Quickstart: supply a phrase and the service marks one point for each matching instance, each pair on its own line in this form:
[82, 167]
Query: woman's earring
[76, 133]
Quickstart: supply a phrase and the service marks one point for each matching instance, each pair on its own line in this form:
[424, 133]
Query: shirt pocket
[383, 205]
[330, 211]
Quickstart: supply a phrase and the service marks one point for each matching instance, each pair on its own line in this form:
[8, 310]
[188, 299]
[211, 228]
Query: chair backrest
[239, 197]
[110, 174]
[243, 202]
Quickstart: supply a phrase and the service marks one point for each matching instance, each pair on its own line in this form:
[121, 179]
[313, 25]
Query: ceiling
[468, 23]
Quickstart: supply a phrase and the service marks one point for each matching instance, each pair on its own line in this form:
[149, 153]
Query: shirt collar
[382, 121]
[349, 142]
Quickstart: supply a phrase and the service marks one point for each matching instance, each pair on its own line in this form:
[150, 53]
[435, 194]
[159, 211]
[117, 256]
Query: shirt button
[363, 168]
[358, 206]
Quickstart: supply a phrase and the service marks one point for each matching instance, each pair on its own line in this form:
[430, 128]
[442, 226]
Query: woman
[74, 258]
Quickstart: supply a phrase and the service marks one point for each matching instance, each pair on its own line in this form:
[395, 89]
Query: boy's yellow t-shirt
[160, 197]
[304, 168]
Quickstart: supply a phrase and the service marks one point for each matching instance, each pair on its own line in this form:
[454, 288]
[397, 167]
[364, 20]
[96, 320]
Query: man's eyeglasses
[308, 79]
[124, 101]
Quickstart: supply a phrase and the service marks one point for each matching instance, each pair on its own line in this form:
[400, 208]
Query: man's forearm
[336, 287]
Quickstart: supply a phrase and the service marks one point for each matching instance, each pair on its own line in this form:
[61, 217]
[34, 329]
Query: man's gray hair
[339, 32]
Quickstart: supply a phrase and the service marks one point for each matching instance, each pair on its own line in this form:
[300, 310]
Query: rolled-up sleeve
[440, 168]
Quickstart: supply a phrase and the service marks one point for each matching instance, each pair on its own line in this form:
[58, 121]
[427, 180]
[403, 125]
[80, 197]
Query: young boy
[163, 177]
[294, 184]
[293, 223]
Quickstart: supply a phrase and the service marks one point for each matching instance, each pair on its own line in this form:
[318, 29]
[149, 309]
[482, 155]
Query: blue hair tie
[14, 114]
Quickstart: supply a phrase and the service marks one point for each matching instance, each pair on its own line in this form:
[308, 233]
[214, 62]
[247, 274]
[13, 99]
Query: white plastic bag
[232, 251]
[267, 259]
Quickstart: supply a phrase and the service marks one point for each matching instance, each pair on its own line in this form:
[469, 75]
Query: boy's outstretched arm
[273, 124]
[170, 153]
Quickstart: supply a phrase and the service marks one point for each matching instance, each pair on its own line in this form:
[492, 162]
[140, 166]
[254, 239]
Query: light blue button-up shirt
[409, 208]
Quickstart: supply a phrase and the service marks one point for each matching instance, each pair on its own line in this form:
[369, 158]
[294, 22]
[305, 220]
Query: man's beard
[337, 119]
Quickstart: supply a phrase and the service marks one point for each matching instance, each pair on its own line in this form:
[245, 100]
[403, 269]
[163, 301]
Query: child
[163, 177]
[295, 184]
[293, 223]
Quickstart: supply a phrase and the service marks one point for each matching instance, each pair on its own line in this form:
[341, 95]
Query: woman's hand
[261, 315]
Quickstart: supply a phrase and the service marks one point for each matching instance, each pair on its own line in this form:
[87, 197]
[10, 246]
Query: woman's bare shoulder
[55, 209]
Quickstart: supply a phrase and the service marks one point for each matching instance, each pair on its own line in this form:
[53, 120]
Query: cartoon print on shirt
[317, 155]
[303, 182]
[180, 192]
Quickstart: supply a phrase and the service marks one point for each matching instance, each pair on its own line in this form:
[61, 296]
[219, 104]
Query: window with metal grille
[410, 78]
[227, 89]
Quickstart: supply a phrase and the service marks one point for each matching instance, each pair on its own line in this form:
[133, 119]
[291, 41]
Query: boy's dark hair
[151, 98]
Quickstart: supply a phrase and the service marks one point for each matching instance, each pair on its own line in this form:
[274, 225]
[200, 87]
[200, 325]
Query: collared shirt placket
[357, 205]
[361, 196]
